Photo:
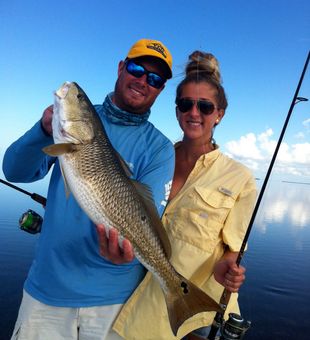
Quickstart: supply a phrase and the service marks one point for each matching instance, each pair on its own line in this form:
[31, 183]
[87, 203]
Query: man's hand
[228, 274]
[110, 249]
[46, 120]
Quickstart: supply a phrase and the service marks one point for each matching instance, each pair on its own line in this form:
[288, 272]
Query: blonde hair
[204, 67]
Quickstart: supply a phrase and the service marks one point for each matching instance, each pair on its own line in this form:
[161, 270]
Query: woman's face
[195, 124]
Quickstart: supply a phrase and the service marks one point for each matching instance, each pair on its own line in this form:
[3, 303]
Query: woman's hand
[228, 274]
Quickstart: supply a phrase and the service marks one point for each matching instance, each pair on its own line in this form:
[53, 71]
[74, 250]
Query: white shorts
[37, 321]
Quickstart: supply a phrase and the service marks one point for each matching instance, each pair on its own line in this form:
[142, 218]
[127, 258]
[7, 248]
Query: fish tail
[186, 301]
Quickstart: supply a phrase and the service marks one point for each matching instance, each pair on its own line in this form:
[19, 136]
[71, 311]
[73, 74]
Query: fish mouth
[62, 92]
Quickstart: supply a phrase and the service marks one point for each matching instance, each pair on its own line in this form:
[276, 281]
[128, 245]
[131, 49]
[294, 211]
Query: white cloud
[245, 148]
[296, 153]
[306, 123]
[265, 144]
[300, 135]
[256, 152]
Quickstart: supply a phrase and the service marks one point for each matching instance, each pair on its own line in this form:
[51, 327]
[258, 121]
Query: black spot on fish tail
[185, 302]
[184, 286]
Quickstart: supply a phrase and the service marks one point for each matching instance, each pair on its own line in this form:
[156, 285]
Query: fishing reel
[234, 328]
[31, 222]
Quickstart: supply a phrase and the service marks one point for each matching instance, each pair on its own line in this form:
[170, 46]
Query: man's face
[135, 94]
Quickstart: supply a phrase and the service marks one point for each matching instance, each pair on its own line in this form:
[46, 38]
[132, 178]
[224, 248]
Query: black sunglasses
[138, 71]
[204, 106]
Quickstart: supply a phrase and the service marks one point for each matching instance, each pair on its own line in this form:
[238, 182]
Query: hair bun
[203, 63]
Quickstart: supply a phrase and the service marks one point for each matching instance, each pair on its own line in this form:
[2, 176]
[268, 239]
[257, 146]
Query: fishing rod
[236, 326]
[36, 197]
[30, 221]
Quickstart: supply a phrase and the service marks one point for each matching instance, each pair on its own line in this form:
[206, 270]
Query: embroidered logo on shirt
[204, 214]
[225, 191]
[167, 193]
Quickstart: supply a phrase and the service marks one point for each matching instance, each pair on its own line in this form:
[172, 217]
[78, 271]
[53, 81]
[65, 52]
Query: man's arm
[24, 160]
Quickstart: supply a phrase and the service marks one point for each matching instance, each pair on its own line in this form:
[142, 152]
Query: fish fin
[146, 193]
[123, 164]
[186, 301]
[60, 149]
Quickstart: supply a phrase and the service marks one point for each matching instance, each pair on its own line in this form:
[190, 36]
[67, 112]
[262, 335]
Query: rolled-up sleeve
[24, 161]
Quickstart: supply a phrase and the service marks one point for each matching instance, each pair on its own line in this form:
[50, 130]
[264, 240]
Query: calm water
[275, 296]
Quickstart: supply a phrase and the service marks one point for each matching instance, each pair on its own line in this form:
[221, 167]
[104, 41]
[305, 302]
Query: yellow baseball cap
[152, 48]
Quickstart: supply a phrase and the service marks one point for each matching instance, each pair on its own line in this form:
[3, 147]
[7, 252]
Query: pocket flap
[219, 198]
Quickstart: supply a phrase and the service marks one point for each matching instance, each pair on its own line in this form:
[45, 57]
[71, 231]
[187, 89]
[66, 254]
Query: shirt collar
[206, 158]
[121, 117]
[210, 157]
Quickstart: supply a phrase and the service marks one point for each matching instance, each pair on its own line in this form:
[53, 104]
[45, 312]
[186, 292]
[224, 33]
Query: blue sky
[261, 45]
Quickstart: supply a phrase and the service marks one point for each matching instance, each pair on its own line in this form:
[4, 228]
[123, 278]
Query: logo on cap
[158, 48]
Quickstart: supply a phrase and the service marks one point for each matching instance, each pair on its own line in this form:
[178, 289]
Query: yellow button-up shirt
[210, 212]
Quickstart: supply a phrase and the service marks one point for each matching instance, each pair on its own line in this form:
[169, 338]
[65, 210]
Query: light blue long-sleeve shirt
[67, 269]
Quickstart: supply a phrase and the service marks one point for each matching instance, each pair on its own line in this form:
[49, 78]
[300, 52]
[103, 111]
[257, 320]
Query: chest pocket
[200, 222]
[217, 203]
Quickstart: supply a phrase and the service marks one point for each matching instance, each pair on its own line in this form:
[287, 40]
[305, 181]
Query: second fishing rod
[235, 327]
[30, 221]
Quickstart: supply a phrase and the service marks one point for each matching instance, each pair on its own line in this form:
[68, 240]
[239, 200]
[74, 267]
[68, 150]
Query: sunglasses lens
[155, 80]
[205, 107]
[185, 105]
[134, 69]
[138, 71]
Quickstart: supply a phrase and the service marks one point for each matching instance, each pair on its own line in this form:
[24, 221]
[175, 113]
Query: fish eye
[79, 96]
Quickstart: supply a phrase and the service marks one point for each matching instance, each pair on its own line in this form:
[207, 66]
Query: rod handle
[38, 198]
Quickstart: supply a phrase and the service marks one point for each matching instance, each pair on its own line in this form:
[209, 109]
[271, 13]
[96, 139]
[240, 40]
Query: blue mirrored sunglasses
[138, 71]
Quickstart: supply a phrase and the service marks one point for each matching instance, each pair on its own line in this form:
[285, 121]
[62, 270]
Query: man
[71, 290]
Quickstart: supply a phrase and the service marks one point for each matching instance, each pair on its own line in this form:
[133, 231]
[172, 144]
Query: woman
[209, 208]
